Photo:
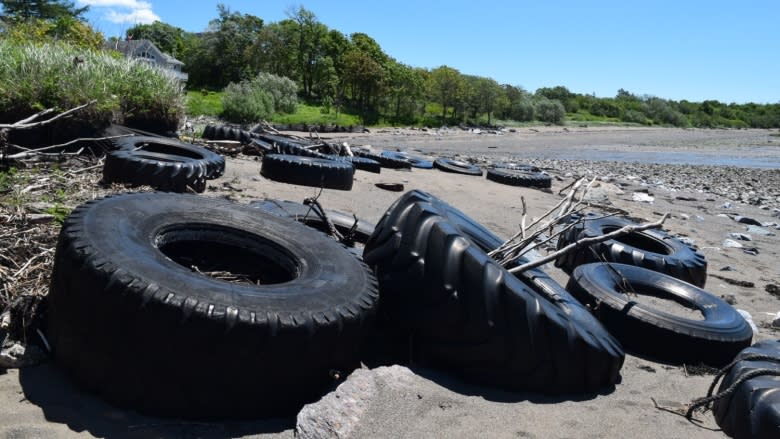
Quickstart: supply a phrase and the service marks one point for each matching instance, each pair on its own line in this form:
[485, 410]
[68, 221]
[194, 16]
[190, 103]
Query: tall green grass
[207, 103]
[312, 115]
[60, 76]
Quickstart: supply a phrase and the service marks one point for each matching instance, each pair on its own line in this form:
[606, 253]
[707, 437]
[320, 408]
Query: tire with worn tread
[132, 318]
[213, 163]
[519, 177]
[753, 410]
[457, 167]
[653, 249]
[308, 171]
[466, 313]
[713, 340]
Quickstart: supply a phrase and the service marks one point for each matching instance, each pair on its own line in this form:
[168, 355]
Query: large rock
[338, 413]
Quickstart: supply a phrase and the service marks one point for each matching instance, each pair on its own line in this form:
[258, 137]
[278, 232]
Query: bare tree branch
[26, 124]
[588, 241]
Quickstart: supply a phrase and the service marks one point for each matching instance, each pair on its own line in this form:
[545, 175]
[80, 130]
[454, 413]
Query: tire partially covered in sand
[187, 306]
[466, 313]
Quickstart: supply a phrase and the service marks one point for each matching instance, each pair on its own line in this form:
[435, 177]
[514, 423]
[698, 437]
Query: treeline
[352, 73]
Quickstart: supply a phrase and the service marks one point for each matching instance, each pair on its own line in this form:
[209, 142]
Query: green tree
[405, 91]
[446, 87]
[560, 94]
[221, 54]
[550, 110]
[49, 10]
[167, 38]
[66, 29]
[311, 34]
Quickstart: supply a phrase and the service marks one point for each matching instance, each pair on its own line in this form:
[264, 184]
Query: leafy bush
[523, 111]
[636, 117]
[62, 76]
[551, 111]
[242, 102]
[283, 91]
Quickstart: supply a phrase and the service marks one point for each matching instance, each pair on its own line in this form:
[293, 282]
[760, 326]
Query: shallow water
[758, 157]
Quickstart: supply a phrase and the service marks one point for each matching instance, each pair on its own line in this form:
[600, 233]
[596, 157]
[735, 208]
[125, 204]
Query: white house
[146, 50]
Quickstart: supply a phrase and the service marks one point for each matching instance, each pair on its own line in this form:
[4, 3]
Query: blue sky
[684, 49]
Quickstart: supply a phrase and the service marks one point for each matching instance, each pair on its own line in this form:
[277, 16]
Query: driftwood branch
[589, 241]
[30, 153]
[28, 123]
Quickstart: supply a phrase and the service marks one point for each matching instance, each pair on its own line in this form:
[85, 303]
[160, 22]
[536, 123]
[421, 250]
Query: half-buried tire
[519, 177]
[653, 249]
[465, 313]
[608, 289]
[141, 312]
[308, 171]
[457, 167]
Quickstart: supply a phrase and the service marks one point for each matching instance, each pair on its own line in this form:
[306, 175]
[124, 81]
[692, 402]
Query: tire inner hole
[661, 300]
[639, 240]
[168, 149]
[228, 254]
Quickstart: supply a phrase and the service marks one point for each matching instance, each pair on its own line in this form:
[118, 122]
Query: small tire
[753, 410]
[304, 214]
[213, 163]
[384, 161]
[130, 320]
[653, 249]
[715, 340]
[414, 161]
[457, 167]
[519, 177]
[308, 171]
[466, 313]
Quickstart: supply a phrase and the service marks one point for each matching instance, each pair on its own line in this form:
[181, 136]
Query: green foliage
[313, 115]
[550, 111]
[62, 76]
[244, 103]
[208, 103]
[62, 29]
[169, 39]
[283, 91]
[22, 10]
[59, 212]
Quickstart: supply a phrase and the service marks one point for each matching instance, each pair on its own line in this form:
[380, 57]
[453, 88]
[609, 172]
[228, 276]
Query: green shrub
[244, 103]
[523, 111]
[551, 111]
[61, 76]
[282, 90]
[635, 116]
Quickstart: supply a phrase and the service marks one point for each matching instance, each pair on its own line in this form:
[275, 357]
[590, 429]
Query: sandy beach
[702, 178]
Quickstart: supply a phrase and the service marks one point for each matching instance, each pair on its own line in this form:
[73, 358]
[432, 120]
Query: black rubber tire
[519, 177]
[715, 340]
[386, 162]
[209, 131]
[414, 161]
[515, 166]
[652, 249]
[457, 167]
[467, 314]
[130, 323]
[753, 410]
[308, 171]
[361, 163]
[213, 163]
[302, 213]
[160, 171]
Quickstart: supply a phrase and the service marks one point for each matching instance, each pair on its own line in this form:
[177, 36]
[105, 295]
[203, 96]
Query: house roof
[132, 47]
